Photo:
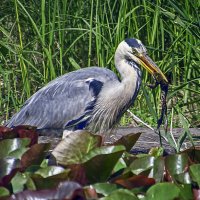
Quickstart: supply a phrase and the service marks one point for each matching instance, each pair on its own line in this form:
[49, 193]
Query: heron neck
[130, 79]
[129, 71]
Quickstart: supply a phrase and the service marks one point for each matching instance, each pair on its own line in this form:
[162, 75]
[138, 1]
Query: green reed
[41, 40]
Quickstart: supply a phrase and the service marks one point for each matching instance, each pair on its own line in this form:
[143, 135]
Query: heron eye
[134, 51]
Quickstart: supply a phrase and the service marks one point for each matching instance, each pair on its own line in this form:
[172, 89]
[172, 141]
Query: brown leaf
[34, 155]
[90, 193]
[128, 140]
[27, 132]
[196, 193]
[135, 181]
[66, 190]
[78, 174]
[6, 133]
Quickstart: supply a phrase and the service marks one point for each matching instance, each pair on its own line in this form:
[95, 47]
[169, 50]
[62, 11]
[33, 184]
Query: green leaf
[141, 164]
[194, 154]
[128, 140]
[18, 182]
[158, 169]
[183, 178]
[49, 181]
[7, 165]
[10, 145]
[119, 165]
[100, 162]
[50, 171]
[18, 153]
[73, 148]
[164, 191]
[121, 194]
[186, 192]
[35, 155]
[134, 181]
[105, 188]
[156, 151]
[195, 173]
[177, 163]
[4, 192]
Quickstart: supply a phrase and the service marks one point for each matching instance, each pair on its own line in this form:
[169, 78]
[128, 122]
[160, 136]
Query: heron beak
[152, 68]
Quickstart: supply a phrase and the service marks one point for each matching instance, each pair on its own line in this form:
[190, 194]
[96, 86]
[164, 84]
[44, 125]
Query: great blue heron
[91, 98]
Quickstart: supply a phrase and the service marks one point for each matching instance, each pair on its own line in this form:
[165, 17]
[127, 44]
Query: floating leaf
[18, 152]
[24, 131]
[50, 181]
[177, 163]
[120, 165]
[128, 140]
[100, 162]
[6, 133]
[4, 192]
[194, 154]
[78, 174]
[49, 177]
[158, 169]
[73, 148]
[50, 171]
[105, 188]
[9, 145]
[9, 167]
[34, 155]
[183, 178]
[90, 193]
[196, 193]
[4, 129]
[65, 190]
[195, 173]
[18, 182]
[156, 151]
[186, 192]
[135, 181]
[164, 191]
[142, 164]
[121, 194]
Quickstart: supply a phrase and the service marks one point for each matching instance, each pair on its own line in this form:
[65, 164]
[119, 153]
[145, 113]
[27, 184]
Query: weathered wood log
[147, 140]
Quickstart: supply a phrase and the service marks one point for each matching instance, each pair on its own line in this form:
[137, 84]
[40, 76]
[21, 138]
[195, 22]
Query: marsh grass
[40, 40]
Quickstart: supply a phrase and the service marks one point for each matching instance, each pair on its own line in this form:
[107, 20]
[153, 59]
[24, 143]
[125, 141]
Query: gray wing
[65, 100]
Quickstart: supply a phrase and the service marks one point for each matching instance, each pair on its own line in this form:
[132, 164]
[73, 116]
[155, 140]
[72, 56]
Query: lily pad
[164, 191]
[142, 164]
[100, 162]
[105, 188]
[195, 173]
[9, 167]
[121, 194]
[73, 148]
[128, 140]
[10, 145]
[34, 155]
[65, 190]
[176, 164]
[4, 192]
[135, 181]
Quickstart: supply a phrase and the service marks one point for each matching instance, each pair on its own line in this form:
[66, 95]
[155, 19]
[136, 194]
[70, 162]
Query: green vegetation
[81, 167]
[40, 40]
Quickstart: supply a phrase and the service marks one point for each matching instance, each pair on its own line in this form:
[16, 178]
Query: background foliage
[42, 39]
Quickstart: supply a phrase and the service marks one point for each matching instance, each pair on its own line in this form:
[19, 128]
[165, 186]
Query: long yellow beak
[152, 68]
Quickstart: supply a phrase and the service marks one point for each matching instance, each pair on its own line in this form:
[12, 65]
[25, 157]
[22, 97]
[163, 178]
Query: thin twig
[137, 119]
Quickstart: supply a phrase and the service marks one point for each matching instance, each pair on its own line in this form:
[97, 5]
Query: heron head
[134, 50]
